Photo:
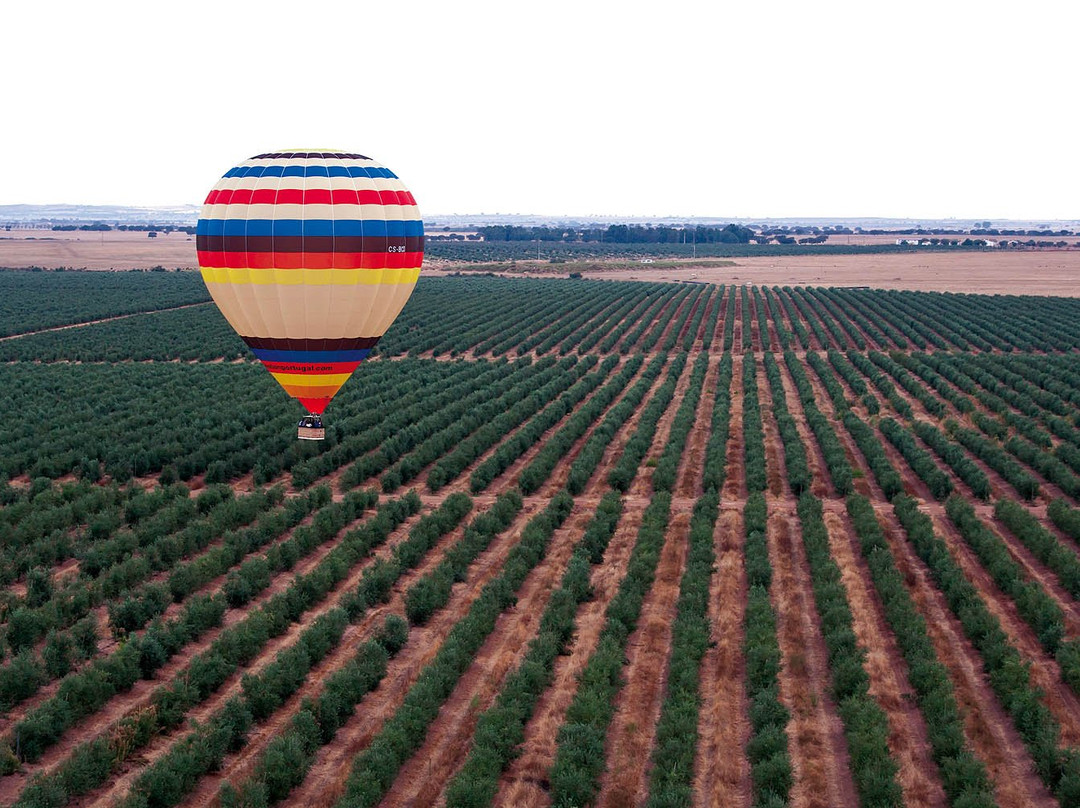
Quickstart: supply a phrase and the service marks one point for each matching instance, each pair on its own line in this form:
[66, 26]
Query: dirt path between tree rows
[722, 771]
[987, 726]
[889, 686]
[326, 779]
[103, 320]
[819, 755]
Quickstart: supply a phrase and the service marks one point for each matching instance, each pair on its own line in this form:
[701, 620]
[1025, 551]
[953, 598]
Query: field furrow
[887, 670]
[819, 754]
[721, 771]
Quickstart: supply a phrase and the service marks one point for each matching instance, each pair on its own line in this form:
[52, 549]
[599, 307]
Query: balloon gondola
[310, 255]
[311, 427]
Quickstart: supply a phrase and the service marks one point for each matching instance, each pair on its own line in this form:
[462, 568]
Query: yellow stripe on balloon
[310, 277]
[311, 392]
[312, 380]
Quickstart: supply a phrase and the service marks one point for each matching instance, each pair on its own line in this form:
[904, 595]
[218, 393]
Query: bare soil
[1036, 272]
[113, 249]
[1044, 670]
[326, 779]
[889, 686]
[987, 726]
[424, 777]
[1039, 272]
[633, 727]
[526, 782]
[819, 755]
[721, 769]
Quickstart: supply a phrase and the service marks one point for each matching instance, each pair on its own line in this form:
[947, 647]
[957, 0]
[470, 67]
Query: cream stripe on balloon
[373, 211]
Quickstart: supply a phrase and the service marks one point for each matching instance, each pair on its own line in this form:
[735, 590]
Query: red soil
[722, 772]
[819, 755]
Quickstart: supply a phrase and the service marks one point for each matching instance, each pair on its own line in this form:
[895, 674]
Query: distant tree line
[621, 234]
[101, 226]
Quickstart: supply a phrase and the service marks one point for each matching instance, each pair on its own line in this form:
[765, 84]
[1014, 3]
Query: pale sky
[915, 109]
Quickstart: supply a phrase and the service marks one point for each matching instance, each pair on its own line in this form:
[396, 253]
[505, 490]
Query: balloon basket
[310, 428]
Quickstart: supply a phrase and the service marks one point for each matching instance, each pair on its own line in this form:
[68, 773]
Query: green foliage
[832, 450]
[882, 468]
[714, 472]
[963, 776]
[1036, 607]
[1067, 519]
[515, 445]
[1007, 671]
[918, 458]
[234, 647]
[626, 467]
[579, 758]
[955, 457]
[432, 591]
[166, 565]
[581, 470]
[663, 478]
[753, 437]
[770, 766]
[1061, 560]
[798, 470]
[865, 724]
[375, 768]
[990, 453]
[32, 301]
[671, 775]
[501, 728]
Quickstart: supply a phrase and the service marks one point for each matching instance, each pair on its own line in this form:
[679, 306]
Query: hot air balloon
[310, 256]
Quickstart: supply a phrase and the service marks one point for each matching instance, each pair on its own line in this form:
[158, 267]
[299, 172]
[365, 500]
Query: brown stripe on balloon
[373, 244]
[297, 344]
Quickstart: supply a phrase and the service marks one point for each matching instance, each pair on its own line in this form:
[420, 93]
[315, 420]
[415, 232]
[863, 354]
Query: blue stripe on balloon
[308, 357]
[311, 171]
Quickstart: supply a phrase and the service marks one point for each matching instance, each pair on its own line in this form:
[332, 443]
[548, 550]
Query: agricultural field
[568, 543]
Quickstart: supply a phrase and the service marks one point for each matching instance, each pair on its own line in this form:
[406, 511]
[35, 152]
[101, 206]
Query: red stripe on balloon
[315, 405]
[310, 260]
[308, 196]
[311, 369]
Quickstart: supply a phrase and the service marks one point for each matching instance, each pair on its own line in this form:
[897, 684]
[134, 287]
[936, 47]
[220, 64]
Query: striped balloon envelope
[310, 255]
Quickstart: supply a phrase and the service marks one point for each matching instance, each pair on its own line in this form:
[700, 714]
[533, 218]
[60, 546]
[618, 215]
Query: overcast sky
[914, 109]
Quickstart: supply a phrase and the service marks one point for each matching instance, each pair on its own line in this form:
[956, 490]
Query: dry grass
[987, 726]
[1035, 272]
[115, 249]
[819, 755]
[885, 666]
[633, 728]
[722, 772]
[1041, 272]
